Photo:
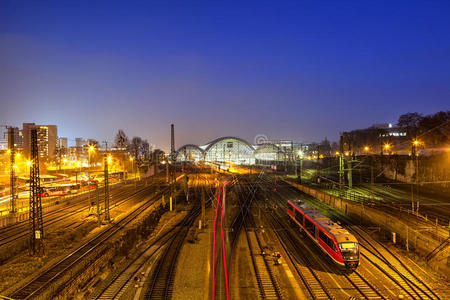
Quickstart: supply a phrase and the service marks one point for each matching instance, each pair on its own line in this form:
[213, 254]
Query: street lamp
[91, 148]
[366, 149]
[387, 147]
[416, 144]
[132, 170]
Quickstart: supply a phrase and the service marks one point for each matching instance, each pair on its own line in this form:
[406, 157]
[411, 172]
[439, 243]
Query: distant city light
[366, 148]
[28, 163]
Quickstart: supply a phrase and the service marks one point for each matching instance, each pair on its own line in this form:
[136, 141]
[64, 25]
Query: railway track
[16, 232]
[303, 268]
[161, 283]
[116, 285]
[267, 283]
[385, 261]
[380, 259]
[356, 280]
[77, 257]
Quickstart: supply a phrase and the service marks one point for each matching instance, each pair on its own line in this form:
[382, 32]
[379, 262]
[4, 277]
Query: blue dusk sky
[300, 70]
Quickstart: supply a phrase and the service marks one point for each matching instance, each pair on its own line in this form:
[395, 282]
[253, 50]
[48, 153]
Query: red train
[334, 240]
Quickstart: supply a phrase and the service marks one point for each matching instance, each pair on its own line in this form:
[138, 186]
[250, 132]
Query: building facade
[47, 140]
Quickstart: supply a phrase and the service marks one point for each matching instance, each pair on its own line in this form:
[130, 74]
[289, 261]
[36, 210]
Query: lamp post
[387, 147]
[366, 150]
[416, 144]
[91, 148]
[132, 170]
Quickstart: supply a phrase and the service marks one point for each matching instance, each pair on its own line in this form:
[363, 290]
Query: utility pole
[167, 171]
[98, 208]
[372, 180]
[12, 171]
[35, 213]
[203, 206]
[105, 160]
[301, 170]
[416, 144]
[341, 172]
[172, 159]
[349, 173]
[186, 187]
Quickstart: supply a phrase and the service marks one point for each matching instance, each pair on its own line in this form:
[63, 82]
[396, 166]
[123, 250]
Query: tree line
[433, 129]
[139, 148]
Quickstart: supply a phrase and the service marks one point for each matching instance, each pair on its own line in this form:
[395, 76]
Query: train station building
[237, 151]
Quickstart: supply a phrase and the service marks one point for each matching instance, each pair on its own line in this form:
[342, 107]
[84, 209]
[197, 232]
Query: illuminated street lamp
[415, 153]
[387, 147]
[18, 154]
[28, 163]
[8, 151]
[366, 149]
[132, 170]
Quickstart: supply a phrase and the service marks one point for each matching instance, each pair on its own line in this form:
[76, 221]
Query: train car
[334, 240]
[60, 189]
[49, 191]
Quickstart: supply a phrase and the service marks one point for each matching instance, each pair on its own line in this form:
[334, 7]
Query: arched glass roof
[230, 150]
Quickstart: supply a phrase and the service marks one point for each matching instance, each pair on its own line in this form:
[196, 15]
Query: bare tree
[136, 145]
[121, 141]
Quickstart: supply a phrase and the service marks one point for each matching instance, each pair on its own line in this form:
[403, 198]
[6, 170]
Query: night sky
[300, 70]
